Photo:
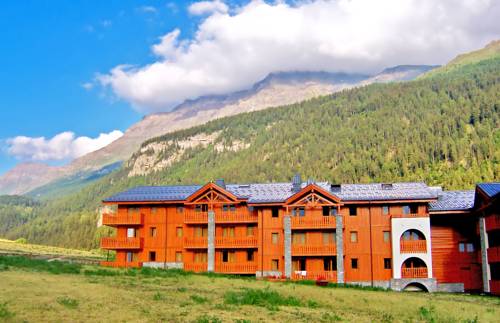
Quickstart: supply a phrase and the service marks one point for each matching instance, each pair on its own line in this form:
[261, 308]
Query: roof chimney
[220, 182]
[296, 183]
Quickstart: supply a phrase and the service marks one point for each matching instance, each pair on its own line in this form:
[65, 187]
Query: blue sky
[66, 65]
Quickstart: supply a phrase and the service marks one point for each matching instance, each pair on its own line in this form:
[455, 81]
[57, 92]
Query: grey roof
[279, 192]
[453, 201]
[490, 189]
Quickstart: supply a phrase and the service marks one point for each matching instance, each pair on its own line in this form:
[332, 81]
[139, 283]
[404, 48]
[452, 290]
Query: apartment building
[394, 235]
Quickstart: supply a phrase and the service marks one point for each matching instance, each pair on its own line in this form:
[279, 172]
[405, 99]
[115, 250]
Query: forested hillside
[442, 129]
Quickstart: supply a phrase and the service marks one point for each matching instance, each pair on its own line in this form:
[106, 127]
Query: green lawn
[34, 291]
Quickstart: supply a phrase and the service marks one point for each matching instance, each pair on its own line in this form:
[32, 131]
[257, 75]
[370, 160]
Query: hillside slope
[275, 90]
[442, 129]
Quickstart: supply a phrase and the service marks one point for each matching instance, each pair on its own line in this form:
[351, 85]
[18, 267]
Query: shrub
[427, 314]
[4, 311]
[260, 297]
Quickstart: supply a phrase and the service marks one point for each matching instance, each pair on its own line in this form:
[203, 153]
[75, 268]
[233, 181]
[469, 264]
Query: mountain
[443, 129]
[276, 89]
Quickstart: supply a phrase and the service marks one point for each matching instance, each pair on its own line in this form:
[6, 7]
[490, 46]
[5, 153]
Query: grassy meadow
[53, 291]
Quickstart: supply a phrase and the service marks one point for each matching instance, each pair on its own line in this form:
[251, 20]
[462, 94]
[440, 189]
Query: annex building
[394, 235]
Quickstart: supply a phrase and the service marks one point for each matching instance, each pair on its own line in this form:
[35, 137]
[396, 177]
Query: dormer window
[387, 186]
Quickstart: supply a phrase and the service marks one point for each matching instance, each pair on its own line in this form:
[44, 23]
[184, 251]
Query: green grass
[20, 246]
[93, 294]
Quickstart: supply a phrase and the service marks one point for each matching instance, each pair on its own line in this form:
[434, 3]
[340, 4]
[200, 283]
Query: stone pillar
[484, 255]
[339, 233]
[287, 227]
[211, 241]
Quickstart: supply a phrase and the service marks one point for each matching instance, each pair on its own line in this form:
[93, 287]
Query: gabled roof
[490, 189]
[324, 194]
[453, 201]
[211, 187]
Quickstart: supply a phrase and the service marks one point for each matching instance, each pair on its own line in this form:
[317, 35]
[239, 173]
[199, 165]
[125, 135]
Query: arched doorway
[413, 241]
[415, 287]
[414, 268]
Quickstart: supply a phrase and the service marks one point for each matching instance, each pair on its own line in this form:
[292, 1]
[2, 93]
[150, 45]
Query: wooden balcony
[191, 216]
[236, 217]
[413, 246]
[236, 242]
[121, 243]
[410, 215]
[118, 219]
[196, 242]
[236, 268]
[492, 222]
[330, 276]
[494, 254]
[416, 272]
[305, 222]
[197, 267]
[307, 250]
[133, 264]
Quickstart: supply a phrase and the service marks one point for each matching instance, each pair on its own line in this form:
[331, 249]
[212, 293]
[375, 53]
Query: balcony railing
[191, 216]
[315, 275]
[236, 217]
[494, 254]
[121, 243]
[307, 250]
[118, 219]
[492, 222]
[417, 272]
[413, 246]
[236, 268]
[236, 242]
[133, 264]
[195, 266]
[410, 215]
[196, 242]
[304, 222]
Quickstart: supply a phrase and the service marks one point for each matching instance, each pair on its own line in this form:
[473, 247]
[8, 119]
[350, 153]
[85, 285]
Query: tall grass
[260, 297]
[54, 267]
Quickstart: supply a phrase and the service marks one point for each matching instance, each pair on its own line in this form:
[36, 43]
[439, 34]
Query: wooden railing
[307, 250]
[492, 222]
[417, 272]
[117, 219]
[495, 287]
[410, 215]
[132, 264]
[413, 246]
[236, 268]
[315, 275]
[191, 216]
[195, 266]
[196, 242]
[305, 222]
[236, 242]
[494, 254]
[235, 217]
[121, 243]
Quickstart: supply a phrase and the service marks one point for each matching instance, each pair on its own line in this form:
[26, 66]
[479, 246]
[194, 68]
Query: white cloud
[207, 7]
[63, 146]
[233, 49]
[147, 9]
[88, 86]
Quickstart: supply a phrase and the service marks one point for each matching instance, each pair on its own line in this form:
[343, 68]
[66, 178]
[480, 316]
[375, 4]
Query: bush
[4, 311]
[260, 297]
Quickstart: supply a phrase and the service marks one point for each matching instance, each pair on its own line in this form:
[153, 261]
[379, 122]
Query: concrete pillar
[339, 233]
[483, 235]
[211, 241]
[287, 226]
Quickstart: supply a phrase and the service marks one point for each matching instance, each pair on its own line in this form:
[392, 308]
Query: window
[387, 263]
[275, 212]
[133, 210]
[326, 210]
[178, 256]
[354, 263]
[131, 233]
[228, 232]
[250, 230]
[299, 211]
[275, 264]
[354, 236]
[250, 255]
[470, 247]
[299, 264]
[179, 232]
[298, 238]
[154, 210]
[461, 247]
[152, 232]
[200, 257]
[387, 236]
[274, 237]
[228, 256]
[180, 209]
[330, 263]
[385, 210]
[406, 209]
[131, 256]
[414, 209]
[200, 231]
[353, 211]
[152, 256]
[228, 207]
[329, 238]
[201, 208]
